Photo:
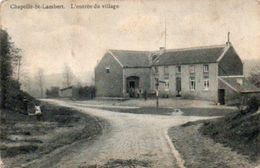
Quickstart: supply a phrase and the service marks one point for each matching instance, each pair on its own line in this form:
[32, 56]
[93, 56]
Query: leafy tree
[7, 52]
[88, 92]
[68, 76]
[254, 76]
[53, 92]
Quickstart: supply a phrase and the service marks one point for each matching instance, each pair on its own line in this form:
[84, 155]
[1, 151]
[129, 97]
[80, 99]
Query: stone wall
[109, 84]
[230, 64]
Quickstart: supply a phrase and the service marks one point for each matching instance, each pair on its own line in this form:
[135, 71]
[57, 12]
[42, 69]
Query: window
[206, 84]
[192, 69]
[192, 83]
[178, 69]
[206, 68]
[167, 84]
[107, 70]
[166, 72]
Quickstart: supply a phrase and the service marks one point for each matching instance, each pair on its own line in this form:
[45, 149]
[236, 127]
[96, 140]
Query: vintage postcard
[130, 83]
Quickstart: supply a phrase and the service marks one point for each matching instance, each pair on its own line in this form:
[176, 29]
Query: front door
[221, 96]
[178, 86]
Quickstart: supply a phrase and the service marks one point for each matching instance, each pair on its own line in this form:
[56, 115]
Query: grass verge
[170, 111]
[25, 138]
[240, 132]
[230, 141]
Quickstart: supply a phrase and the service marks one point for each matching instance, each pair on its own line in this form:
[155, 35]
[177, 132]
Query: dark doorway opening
[178, 86]
[132, 87]
[221, 96]
[132, 84]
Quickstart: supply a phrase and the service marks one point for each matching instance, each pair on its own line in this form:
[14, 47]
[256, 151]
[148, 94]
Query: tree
[8, 52]
[254, 76]
[40, 80]
[26, 83]
[68, 75]
[16, 63]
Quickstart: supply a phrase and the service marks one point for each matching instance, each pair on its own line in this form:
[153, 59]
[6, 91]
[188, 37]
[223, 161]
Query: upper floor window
[178, 69]
[206, 68]
[166, 72]
[192, 69]
[107, 70]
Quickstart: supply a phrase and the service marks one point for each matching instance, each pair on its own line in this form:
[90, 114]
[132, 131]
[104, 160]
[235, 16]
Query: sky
[51, 38]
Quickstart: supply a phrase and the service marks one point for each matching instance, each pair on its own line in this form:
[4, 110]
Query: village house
[210, 73]
[123, 73]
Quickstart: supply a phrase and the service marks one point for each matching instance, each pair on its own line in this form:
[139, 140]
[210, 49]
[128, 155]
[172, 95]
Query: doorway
[221, 96]
[132, 83]
[178, 86]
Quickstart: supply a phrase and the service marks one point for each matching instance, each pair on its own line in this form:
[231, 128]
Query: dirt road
[138, 139]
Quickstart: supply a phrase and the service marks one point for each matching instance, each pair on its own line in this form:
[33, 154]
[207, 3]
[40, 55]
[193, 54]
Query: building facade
[195, 73]
[68, 92]
[123, 73]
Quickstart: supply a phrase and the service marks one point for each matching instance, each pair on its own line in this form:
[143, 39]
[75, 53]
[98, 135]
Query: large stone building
[213, 73]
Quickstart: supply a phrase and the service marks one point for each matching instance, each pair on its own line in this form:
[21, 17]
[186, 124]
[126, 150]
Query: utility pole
[165, 33]
[228, 36]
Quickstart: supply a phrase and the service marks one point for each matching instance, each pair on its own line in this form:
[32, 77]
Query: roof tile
[197, 55]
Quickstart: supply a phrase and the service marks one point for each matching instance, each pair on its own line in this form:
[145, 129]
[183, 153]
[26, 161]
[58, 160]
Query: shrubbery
[251, 105]
[53, 92]
[88, 92]
[12, 97]
[15, 98]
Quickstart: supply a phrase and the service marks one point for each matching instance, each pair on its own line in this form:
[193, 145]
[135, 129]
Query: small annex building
[209, 72]
[68, 92]
[122, 73]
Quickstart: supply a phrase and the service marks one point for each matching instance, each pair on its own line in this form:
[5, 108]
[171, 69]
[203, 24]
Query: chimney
[228, 39]
[162, 50]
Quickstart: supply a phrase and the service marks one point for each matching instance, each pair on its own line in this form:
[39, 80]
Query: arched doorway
[132, 84]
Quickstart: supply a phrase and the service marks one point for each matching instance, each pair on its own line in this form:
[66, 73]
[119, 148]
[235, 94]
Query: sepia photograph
[129, 84]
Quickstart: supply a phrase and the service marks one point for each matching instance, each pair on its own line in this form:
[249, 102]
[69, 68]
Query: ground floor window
[206, 84]
[167, 85]
[192, 83]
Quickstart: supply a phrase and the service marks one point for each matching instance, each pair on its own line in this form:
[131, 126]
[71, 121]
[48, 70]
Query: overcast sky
[79, 37]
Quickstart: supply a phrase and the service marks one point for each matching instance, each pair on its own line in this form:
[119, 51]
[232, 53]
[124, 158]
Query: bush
[53, 92]
[87, 92]
[15, 98]
[252, 105]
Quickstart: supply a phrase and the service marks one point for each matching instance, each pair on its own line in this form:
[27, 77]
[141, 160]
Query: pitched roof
[129, 58]
[208, 54]
[245, 87]
[66, 88]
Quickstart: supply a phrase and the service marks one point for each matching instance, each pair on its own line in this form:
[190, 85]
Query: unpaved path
[130, 137]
